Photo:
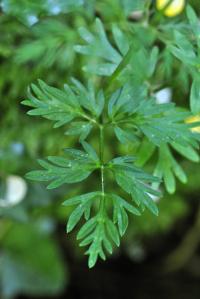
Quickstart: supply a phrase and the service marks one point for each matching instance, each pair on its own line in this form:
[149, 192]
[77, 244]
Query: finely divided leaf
[52, 103]
[64, 170]
[135, 182]
[98, 45]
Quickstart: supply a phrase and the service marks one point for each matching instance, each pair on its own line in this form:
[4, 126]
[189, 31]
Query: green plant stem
[101, 151]
[120, 67]
[92, 120]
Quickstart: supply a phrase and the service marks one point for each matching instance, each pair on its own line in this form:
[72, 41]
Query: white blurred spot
[164, 95]
[16, 189]
[154, 197]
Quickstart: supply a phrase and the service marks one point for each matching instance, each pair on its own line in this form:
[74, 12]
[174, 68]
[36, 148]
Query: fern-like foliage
[131, 113]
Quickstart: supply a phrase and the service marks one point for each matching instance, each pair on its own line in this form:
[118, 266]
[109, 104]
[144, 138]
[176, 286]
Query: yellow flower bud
[193, 119]
[174, 8]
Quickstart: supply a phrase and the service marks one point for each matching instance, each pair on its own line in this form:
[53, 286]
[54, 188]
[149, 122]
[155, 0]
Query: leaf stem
[101, 152]
[101, 144]
[92, 120]
[125, 61]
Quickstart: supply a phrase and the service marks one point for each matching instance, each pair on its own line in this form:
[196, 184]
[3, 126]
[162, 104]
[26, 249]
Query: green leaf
[101, 47]
[81, 198]
[186, 151]
[65, 171]
[184, 49]
[122, 222]
[120, 40]
[91, 152]
[123, 203]
[119, 215]
[194, 21]
[188, 59]
[95, 248]
[87, 228]
[179, 172]
[130, 6]
[98, 232]
[87, 240]
[65, 106]
[145, 152]
[166, 125]
[88, 99]
[152, 61]
[160, 123]
[195, 96]
[129, 169]
[126, 100]
[191, 15]
[53, 103]
[125, 136]
[184, 44]
[80, 128]
[167, 167]
[144, 198]
[107, 244]
[98, 45]
[112, 232]
[135, 181]
[75, 217]
[76, 155]
[39, 175]
[83, 202]
[123, 160]
[169, 180]
[59, 161]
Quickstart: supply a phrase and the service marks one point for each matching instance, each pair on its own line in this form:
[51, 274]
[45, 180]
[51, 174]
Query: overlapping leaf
[120, 209]
[168, 168]
[126, 59]
[135, 182]
[98, 45]
[50, 45]
[163, 123]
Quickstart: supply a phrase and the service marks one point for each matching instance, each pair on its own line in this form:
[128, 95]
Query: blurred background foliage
[37, 40]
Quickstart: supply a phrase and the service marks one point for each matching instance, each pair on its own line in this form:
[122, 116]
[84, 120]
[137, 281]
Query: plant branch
[101, 151]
